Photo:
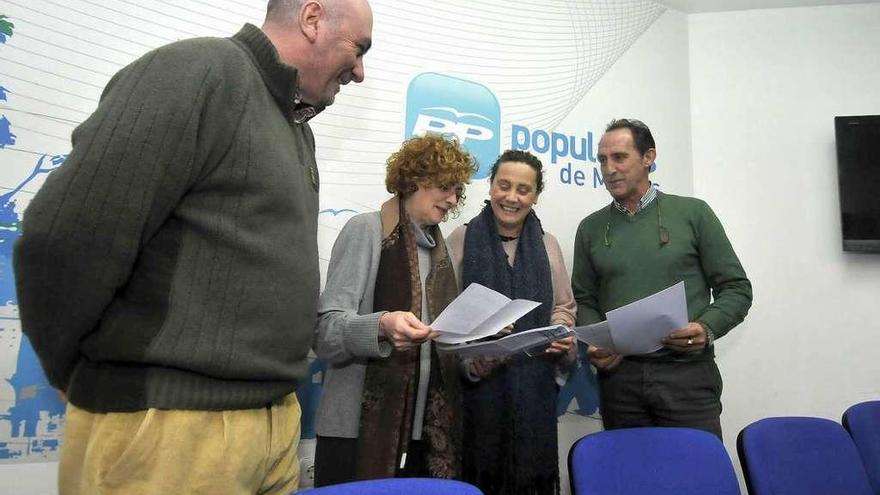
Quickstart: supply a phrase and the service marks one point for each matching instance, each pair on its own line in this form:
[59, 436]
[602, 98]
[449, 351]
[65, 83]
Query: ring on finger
[690, 341]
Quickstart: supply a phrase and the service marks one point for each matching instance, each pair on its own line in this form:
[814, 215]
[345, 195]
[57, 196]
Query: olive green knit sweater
[619, 259]
[172, 262]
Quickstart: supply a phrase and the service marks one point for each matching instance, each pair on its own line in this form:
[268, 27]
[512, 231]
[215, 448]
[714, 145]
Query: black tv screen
[858, 173]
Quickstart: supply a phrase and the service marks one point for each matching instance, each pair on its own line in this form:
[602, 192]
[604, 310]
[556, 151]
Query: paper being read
[639, 327]
[478, 312]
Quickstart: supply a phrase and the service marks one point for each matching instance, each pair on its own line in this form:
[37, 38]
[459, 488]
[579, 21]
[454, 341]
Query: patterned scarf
[390, 385]
[510, 444]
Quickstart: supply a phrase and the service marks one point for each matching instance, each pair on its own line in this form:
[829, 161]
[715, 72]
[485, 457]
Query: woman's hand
[504, 332]
[482, 367]
[565, 349]
[404, 330]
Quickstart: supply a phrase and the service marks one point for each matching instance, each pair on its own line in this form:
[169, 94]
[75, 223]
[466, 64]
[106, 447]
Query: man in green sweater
[167, 274]
[643, 242]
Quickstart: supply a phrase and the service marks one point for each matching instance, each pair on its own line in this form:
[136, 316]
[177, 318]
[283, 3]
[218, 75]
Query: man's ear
[649, 157]
[310, 16]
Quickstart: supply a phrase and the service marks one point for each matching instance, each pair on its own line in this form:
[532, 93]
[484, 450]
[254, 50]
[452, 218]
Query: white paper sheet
[478, 312]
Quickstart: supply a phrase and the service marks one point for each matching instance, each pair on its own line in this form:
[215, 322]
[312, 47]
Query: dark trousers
[336, 461]
[646, 393]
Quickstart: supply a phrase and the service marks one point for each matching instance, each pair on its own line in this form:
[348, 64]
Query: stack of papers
[536, 338]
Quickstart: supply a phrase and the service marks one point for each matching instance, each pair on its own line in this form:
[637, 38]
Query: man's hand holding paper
[642, 327]
[689, 339]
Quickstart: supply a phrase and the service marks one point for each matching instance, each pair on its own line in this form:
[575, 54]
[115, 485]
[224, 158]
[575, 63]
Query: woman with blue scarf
[510, 439]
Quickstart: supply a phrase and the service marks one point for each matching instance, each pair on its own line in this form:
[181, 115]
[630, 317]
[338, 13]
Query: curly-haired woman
[390, 405]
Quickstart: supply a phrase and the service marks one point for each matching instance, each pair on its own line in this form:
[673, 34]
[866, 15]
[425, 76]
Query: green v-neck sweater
[619, 259]
[172, 261]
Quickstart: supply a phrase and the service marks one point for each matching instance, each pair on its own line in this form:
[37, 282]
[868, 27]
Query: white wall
[765, 86]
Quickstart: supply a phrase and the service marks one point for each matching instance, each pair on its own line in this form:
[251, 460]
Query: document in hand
[511, 344]
[638, 327]
[478, 312]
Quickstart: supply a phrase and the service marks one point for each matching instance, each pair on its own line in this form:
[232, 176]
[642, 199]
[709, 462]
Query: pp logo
[456, 107]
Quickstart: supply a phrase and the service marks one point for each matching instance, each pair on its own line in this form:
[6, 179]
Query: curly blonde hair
[429, 160]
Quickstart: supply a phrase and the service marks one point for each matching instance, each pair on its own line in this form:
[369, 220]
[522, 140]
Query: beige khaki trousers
[164, 452]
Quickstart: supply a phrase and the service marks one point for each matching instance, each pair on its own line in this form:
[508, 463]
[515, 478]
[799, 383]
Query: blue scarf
[510, 444]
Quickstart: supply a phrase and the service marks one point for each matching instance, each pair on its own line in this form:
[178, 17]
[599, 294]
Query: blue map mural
[36, 413]
[7, 138]
[6, 28]
[30, 420]
[582, 386]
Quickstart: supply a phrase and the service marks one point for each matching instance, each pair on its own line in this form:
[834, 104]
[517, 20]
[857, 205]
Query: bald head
[324, 39]
[287, 11]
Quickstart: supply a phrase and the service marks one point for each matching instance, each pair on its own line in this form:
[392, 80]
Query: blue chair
[863, 423]
[802, 456]
[655, 460]
[394, 486]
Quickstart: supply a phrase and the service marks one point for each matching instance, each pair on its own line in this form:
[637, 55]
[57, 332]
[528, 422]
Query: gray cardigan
[347, 333]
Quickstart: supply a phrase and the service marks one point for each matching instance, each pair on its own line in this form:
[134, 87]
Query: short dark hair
[640, 133]
[523, 157]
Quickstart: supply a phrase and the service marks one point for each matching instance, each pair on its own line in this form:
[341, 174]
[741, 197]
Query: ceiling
[695, 6]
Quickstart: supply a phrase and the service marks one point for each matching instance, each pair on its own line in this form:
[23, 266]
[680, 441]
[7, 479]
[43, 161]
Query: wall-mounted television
[858, 175]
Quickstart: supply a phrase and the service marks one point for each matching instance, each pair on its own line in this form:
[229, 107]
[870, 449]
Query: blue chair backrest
[394, 486]
[863, 423]
[651, 460]
[802, 456]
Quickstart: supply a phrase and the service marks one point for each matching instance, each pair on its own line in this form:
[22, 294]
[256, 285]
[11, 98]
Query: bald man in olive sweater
[167, 274]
